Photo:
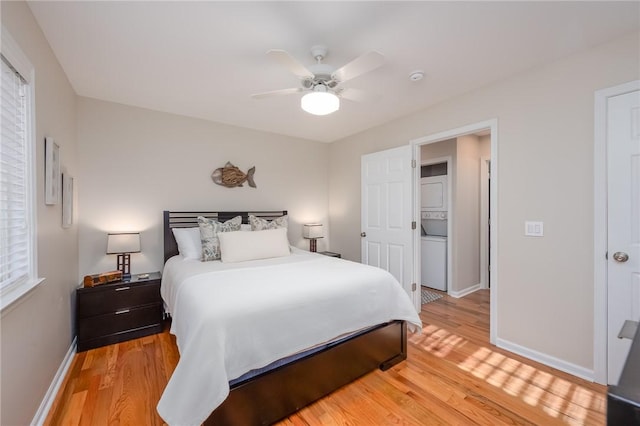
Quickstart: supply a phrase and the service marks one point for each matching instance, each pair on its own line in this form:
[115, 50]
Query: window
[17, 206]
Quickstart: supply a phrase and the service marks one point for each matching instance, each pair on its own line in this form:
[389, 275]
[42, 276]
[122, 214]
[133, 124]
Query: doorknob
[620, 256]
[363, 234]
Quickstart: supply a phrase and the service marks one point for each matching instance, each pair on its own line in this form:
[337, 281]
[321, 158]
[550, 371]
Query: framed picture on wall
[51, 172]
[67, 200]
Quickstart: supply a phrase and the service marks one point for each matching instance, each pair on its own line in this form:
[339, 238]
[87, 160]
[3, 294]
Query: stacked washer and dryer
[434, 217]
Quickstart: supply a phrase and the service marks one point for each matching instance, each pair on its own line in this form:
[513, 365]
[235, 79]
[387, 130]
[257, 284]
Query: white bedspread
[232, 318]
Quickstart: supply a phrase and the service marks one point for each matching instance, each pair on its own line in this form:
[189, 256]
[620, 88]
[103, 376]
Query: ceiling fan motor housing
[322, 74]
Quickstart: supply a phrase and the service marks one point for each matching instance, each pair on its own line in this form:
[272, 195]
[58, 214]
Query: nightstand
[118, 311]
[330, 254]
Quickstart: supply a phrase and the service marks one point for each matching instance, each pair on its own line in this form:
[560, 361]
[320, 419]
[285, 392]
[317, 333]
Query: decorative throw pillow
[258, 224]
[209, 229]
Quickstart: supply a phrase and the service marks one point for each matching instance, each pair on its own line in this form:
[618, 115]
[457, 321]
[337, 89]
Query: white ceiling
[205, 59]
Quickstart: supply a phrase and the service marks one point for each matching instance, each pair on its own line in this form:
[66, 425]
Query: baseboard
[52, 392]
[548, 360]
[462, 293]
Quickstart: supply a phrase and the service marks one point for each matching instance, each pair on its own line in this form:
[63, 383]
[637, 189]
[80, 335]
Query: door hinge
[413, 164]
[606, 255]
[414, 287]
[413, 225]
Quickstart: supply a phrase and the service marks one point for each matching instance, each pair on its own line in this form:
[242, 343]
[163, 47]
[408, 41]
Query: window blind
[15, 250]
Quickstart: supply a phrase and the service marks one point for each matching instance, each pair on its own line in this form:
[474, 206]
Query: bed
[247, 370]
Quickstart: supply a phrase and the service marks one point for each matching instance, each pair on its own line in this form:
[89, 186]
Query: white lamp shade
[128, 242]
[312, 231]
[320, 103]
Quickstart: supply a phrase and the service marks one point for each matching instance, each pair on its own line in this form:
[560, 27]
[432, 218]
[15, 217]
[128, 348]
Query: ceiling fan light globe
[320, 103]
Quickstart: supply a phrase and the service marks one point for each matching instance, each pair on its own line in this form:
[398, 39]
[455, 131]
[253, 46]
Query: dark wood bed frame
[276, 393]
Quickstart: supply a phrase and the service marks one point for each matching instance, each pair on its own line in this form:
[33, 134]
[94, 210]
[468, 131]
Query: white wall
[467, 213]
[545, 122]
[485, 145]
[134, 163]
[38, 329]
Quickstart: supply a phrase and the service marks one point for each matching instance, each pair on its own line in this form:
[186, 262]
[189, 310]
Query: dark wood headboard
[190, 220]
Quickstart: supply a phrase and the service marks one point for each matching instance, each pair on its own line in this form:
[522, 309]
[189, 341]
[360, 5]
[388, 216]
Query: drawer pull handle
[124, 311]
[122, 288]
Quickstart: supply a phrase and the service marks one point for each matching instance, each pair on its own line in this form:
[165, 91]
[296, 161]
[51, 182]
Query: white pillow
[245, 227]
[241, 246]
[189, 244]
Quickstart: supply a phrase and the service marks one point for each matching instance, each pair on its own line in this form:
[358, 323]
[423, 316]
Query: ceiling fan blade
[357, 95]
[362, 64]
[289, 62]
[277, 93]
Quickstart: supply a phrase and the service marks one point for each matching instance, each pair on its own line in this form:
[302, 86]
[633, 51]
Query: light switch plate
[533, 229]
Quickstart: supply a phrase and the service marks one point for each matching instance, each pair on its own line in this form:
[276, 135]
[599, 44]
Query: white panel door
[387, 213]
[623, 211]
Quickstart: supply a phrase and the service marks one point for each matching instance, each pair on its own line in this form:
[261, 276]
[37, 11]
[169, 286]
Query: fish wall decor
[232, 177]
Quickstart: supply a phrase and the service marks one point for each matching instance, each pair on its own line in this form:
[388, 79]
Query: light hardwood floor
[452, 376]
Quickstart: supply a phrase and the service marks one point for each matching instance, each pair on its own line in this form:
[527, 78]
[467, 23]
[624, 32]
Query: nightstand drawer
[121, 320]
[113, 298]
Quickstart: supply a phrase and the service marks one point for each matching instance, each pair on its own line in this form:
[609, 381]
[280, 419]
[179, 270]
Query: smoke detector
[416, 75]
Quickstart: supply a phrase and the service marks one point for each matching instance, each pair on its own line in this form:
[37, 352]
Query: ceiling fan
[321, 81]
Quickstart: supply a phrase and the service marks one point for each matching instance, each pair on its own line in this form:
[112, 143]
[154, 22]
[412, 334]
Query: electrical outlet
[533, 229]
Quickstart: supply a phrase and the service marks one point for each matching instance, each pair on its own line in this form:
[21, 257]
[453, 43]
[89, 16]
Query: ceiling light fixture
[320, 101]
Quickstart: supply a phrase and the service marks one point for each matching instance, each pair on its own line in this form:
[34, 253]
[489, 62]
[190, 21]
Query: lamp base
[124, 264]
[313, 245]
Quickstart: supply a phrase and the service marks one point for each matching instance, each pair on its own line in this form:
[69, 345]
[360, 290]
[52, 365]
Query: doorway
[489, 129]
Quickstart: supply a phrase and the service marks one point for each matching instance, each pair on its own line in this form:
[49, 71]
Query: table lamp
[123, 244]
[312, 231]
